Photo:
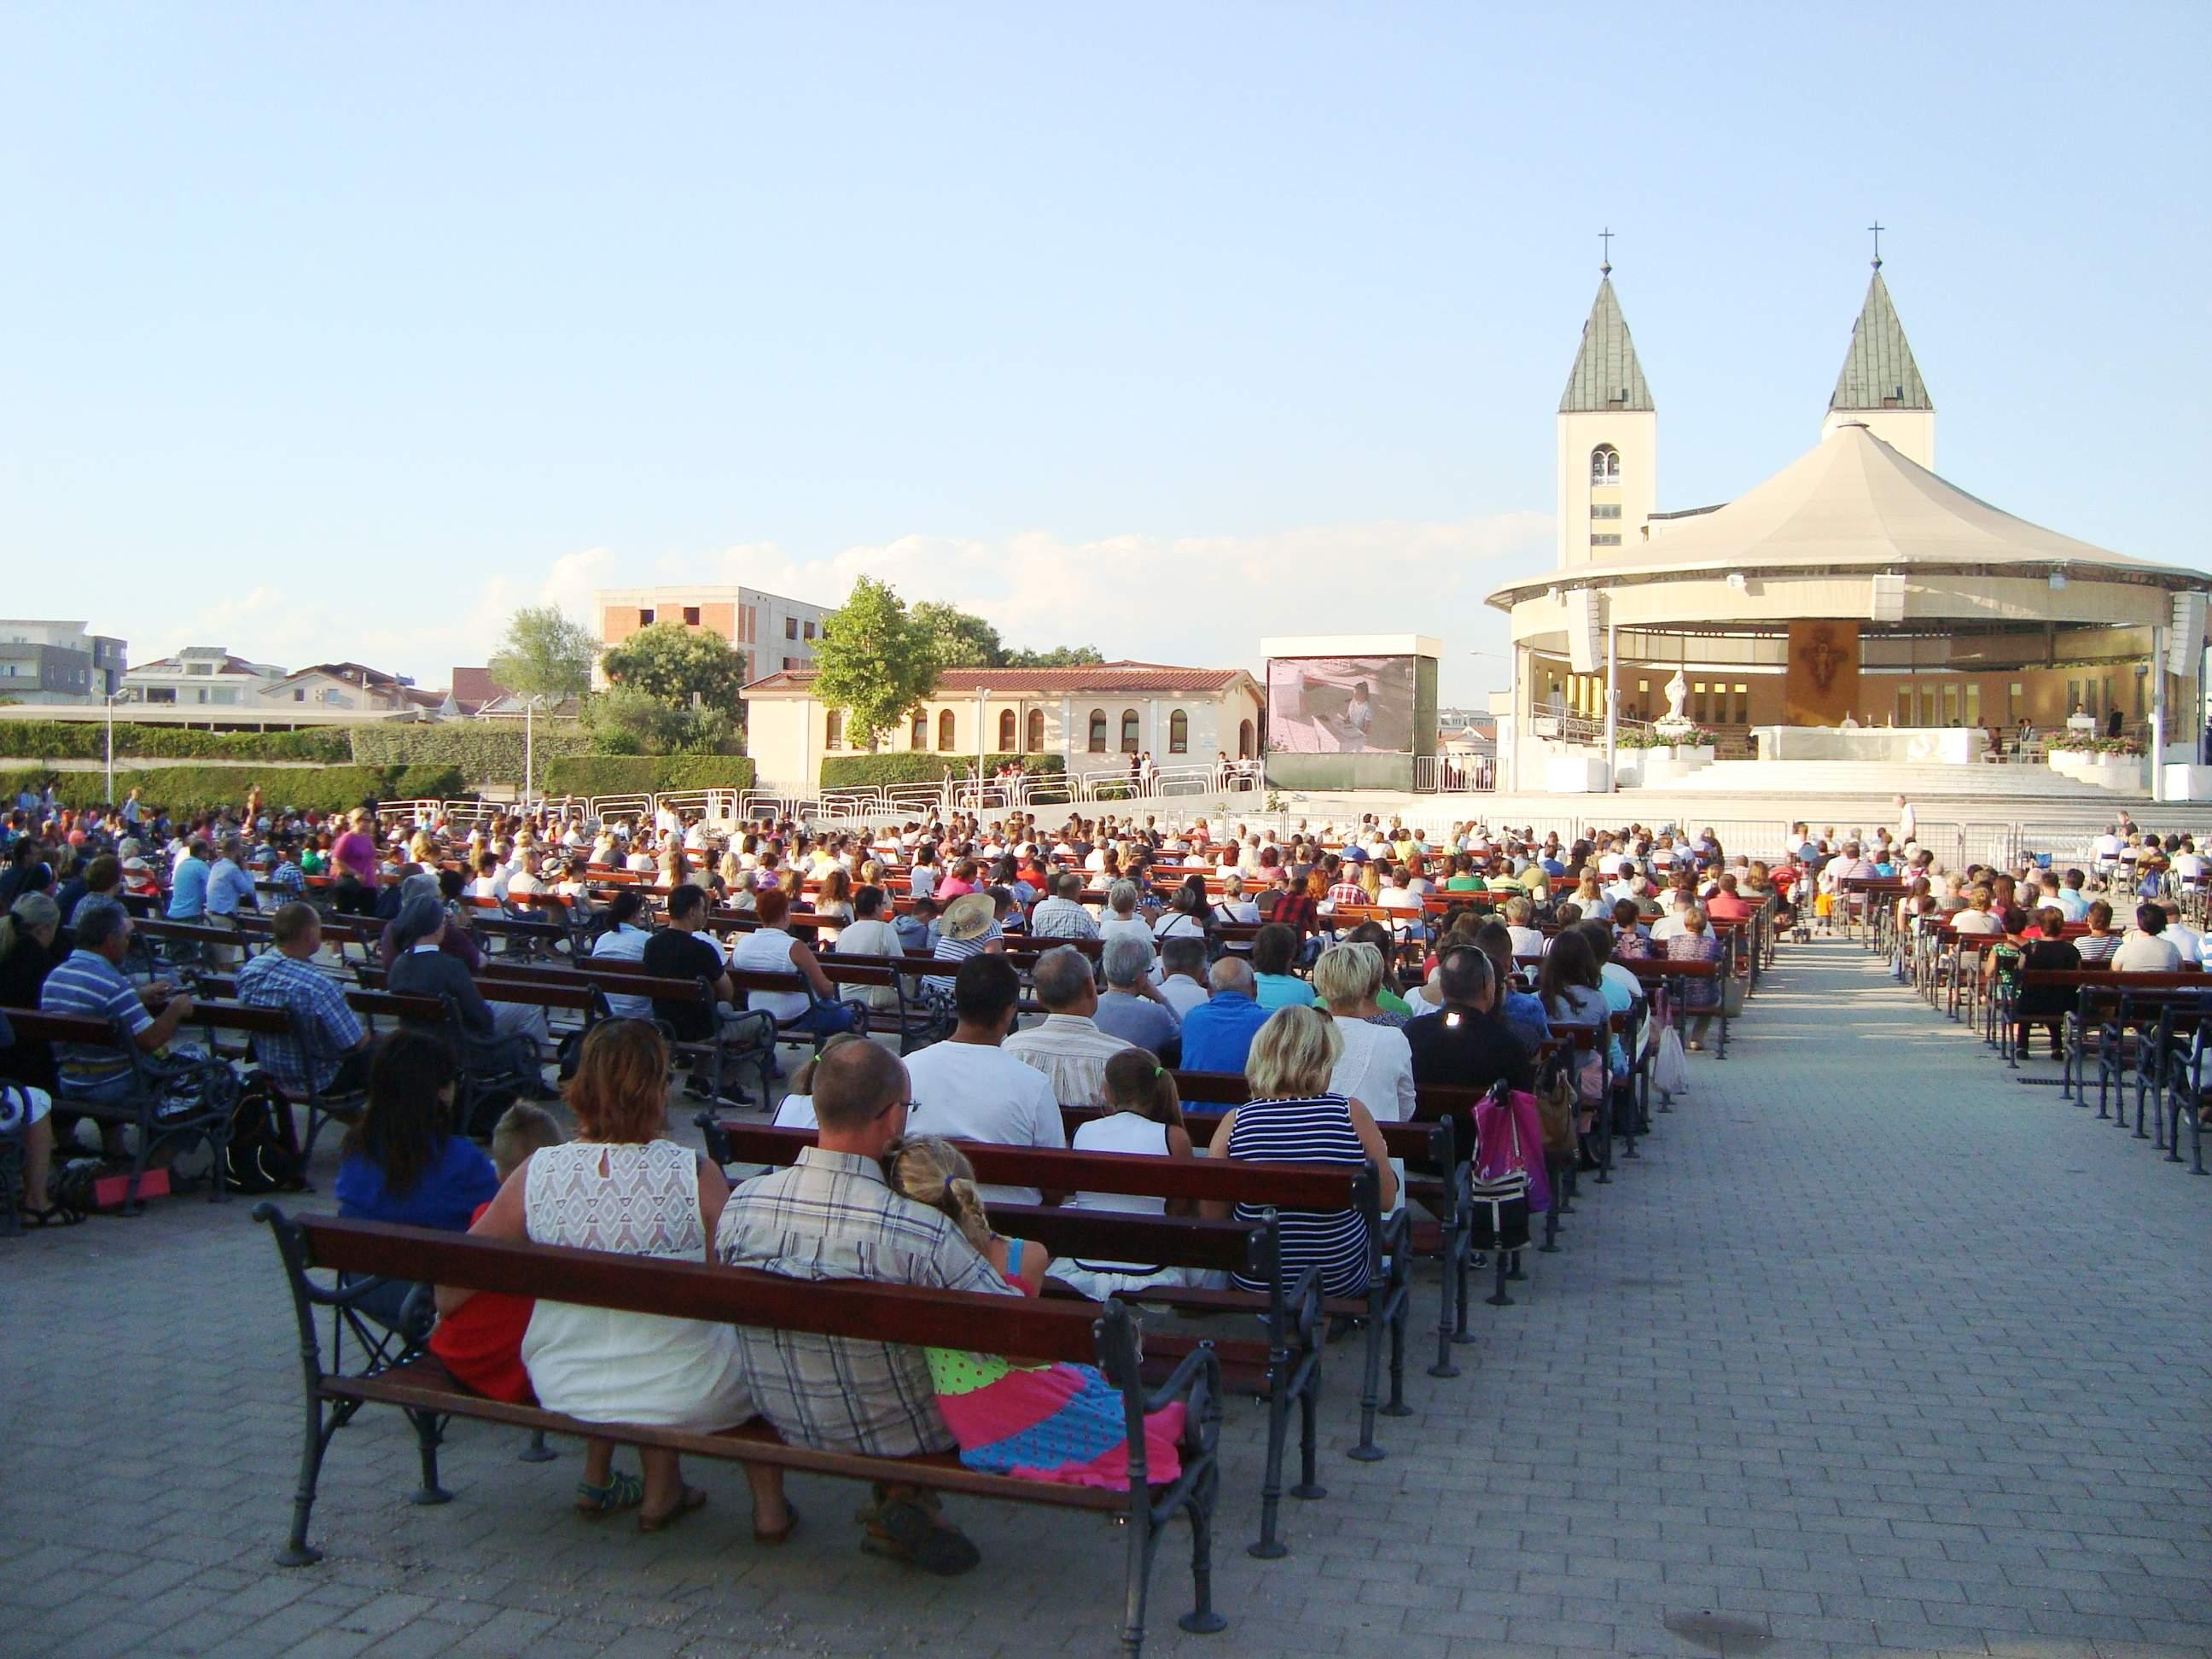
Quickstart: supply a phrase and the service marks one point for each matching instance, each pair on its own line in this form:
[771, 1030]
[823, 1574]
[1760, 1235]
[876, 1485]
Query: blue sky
[337, 332]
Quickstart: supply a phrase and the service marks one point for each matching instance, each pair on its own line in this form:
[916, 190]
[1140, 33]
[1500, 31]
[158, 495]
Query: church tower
[1608, 440]
[1879, 386]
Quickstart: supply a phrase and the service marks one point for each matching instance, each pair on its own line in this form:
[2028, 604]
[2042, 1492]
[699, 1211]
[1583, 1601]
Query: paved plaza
[1872, 1349]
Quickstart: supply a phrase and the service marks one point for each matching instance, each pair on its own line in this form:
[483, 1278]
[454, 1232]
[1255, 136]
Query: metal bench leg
[297, 1551]
[1202, 1619]
[1513, 1272]
[429, 1431]
[536, 1451]
[1271, 1547]
[1136, 1585]
[1498, 1298]
[1371, 1388]
[1310, 1486]
[1455, 1266]
[1396, 1406]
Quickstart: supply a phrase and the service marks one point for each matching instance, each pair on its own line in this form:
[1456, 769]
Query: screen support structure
[1612, 698]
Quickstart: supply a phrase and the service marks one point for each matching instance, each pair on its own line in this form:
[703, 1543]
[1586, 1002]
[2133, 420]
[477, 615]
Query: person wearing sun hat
[968, 927]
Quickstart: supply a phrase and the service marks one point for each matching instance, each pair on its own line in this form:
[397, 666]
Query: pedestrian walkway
[1871, 1350]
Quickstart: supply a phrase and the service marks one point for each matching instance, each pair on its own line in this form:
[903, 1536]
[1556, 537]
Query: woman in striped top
[1292, 1118]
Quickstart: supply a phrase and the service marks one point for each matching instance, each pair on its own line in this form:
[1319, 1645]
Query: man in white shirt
[968, 1088]
[1678, 906]
[1181, 971]
[2186, 940]
[1061, 916]
[1908, 822]
[1068, 1049]
[2146, 950]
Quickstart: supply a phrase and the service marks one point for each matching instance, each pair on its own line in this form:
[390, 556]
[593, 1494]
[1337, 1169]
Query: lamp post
[529, 750]
[982, 716]
[110, 701]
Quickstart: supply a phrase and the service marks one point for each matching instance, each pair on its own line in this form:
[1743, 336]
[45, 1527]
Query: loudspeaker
[1585, 631]
[2185, 644]
[1889, 600]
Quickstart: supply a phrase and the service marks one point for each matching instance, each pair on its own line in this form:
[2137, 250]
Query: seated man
[968, 1087]
[831, 1216]
[1217, 1035]
[328, 1051]
[90, 985]
[1069, 1049]
[1181, 975]
[1061, 916]
[681, 950]
[1132, 1009]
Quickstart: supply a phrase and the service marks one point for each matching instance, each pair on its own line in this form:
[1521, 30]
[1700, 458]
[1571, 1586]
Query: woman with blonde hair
[1033, 1422]
[1294, 1117]
[621, 1185]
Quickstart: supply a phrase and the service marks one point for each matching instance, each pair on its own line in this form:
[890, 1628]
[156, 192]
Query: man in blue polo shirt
[1217, 1035]
[188, 891]
[90, 984]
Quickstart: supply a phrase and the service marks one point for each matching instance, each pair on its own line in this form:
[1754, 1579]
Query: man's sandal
[782, 1534]
[905, 1532]
[54, 1215]
[690, 1498]
[622, 1492]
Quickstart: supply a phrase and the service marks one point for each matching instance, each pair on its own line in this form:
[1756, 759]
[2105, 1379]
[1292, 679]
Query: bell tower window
[1604, 465]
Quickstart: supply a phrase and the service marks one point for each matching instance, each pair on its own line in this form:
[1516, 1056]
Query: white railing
[1455, 774]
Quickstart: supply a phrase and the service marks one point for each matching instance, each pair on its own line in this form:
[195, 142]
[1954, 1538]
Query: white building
[201, 676]
[57, 662]
[775, 632]
[1092, 717]
[349, 685]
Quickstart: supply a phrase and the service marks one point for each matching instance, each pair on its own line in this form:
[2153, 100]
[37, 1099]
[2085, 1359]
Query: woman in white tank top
[1145, 1117]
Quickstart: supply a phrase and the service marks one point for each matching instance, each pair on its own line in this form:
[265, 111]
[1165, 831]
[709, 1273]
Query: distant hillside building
[774, 632]
[200, 675]
[57, 662]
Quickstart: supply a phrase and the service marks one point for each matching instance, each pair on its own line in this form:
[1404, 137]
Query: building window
[1950, 705]
[1905, 705]
[1035, 745]
[1005, 731]
[944, 730]
[1604, 465]
[746, 625]
[1130, 732]
[791, 628]
[806, 630]
[644, 617]
[1244, 736]
[1178, 733]
[1605, 541]
[919, 737]
[1973, 702]
[1098, 731]
[2013, 709]
[1606, 510]
[833, 729]
[690, 615]
[298, 694]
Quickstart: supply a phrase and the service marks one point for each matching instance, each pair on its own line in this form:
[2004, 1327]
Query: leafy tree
[679, 666]
[544, 654]
[624, 721]
[875, 661]
[962, 640]
[1061, 656]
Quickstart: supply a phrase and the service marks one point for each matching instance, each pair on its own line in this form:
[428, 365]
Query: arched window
[1036, 744]
[1244, 740]
[1005, 731]
[919, 737]
[1178, 733]
[1129, 731]
[1097, 730]
[833, 729]
[944, 730]
[1604, 465]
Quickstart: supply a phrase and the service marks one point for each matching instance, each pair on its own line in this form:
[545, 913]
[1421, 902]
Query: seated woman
[1697, 942]
[2050, 950]
[1293, 1118]
[1060, 1423]
[1273, 949]
[622, 1186]
[402, 1162]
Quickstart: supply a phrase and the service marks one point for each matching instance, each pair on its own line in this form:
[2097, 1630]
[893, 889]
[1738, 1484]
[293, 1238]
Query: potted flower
[2108, 762]
[1661, 754]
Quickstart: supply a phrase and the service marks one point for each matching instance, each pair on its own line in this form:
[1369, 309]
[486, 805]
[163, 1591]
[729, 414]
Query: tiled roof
[1157, 679]
[1878, 371]
[1606, 375]
[476, 686]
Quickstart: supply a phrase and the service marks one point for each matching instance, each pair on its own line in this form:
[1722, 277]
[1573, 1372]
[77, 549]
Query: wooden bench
[1033, 1330]
[1287, 1371]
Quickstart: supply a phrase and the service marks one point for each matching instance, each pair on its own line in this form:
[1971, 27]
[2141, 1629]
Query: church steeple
[1880, 386]
[1605, 375]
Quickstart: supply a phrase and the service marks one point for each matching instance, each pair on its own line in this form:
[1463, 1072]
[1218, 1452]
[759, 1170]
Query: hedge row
[87, 740]
[486, 754]
[643, 775]
[183, 790]
[874, 771]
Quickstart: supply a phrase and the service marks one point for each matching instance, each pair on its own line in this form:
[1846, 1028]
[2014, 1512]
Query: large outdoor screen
[1341, 705]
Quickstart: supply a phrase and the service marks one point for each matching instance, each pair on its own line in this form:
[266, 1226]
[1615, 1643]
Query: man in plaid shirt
[329, 1052]
[831, 1215]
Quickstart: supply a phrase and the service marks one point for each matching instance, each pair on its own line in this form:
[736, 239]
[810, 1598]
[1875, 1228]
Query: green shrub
[427, 782]
[186, 789]
[875, 771]
[487, 754]
[87, 740]
[644, 775]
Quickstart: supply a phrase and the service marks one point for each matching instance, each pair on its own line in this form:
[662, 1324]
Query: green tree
[544, 654]
[679, 666]
[961, 640]
[875, 661]
[1061, 656]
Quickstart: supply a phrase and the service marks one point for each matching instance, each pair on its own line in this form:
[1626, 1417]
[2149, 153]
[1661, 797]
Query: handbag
[1670, 1067]
[1733, 987]
[1498, 1204]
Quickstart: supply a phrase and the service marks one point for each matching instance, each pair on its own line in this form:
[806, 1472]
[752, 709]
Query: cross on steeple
[1877, 227]
[1605, 240]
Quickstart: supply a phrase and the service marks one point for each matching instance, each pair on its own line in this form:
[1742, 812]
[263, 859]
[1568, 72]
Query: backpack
[262, 1153]
[1497, 1207]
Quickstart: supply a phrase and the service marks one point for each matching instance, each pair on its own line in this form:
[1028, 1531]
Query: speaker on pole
[1585, 631]
[2185, 643]
[1889, 600]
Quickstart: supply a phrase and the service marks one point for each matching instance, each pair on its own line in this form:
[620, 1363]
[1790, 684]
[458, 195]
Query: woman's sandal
[622, 1492]
[690, 1498]
[54, 1215]
[782, 1536]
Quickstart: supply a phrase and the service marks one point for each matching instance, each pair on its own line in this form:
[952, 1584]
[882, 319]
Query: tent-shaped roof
[1878, 371]
[1853, 502]
[1606, 375]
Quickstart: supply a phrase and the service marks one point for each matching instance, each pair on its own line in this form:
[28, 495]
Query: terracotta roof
[475, 687]
[1155, 678]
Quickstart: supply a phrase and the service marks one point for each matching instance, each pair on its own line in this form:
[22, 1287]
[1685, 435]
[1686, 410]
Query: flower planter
[1653, 768]
[2124, 773]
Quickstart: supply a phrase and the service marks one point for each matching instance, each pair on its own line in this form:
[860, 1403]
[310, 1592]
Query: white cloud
[1195, 599]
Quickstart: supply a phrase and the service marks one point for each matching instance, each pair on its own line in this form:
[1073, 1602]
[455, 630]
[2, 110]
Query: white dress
[602, 1364]
[1126, 1133]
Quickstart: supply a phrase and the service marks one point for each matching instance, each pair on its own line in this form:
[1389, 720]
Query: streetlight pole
[110, 701]
[529, 751]
[982, 718]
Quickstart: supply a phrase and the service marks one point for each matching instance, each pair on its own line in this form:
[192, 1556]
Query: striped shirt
[957, 951]
[1316, 1130]
[88, 986]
